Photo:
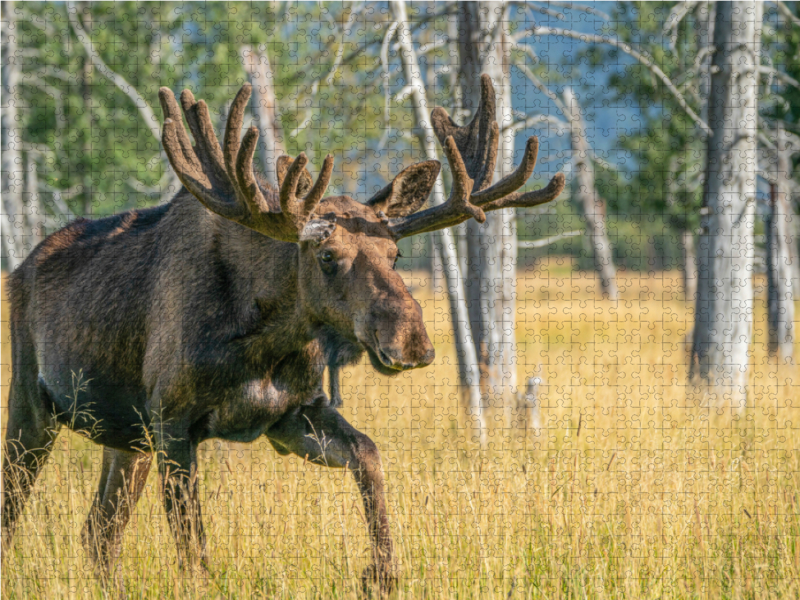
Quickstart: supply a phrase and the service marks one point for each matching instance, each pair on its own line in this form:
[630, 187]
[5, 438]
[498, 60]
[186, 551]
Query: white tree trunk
[13, 218]
[265, 107]
[794, 251]
[35, 216]
[724, 314]
[484, 47]
[467, 358]
[780, 274]
[689, 266]
[594, 206]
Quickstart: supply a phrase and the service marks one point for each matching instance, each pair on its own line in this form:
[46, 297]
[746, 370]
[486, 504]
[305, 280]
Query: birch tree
[780, 272]
[484, 47]
[468, 362]
[13, 221]
[270, 140]
[724, 313]
[592, 204]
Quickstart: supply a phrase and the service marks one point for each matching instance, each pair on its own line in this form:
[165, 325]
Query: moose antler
[472, 153]
[222, 179]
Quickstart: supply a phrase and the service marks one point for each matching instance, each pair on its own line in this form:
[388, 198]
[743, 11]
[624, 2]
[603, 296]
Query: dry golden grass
[631, 489]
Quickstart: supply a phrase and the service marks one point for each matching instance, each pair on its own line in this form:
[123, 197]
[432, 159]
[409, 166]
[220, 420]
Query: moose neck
[263, 283]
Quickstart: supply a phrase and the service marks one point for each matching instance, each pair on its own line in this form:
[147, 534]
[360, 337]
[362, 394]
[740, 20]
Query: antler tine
[298, 208]
[458, 203]
[476, 141]
[314, 197]
[472, 152]
[206, 145]
[515, 180]
[172, 113]
[189, 167]
[288, 194]
[245, 179]
[530, 199]
[233, 128]
[282, 167]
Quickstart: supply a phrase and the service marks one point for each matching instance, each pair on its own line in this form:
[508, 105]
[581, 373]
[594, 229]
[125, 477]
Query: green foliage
[90, 137]
[663, 178]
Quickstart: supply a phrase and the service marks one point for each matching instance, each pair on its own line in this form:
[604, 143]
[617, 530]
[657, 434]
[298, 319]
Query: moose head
[347, 249]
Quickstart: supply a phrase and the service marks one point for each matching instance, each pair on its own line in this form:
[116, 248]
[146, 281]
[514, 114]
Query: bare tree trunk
[87, 77]
[467, 360]
[265, 107]
[689, 266]
[461, 234]
[13, 209]
[484, 47]
[784, 151]
[435, 256]
[706, 13]
[794, 251]
[594, 207]
[780, 297]
[35, 217]
[724, 314]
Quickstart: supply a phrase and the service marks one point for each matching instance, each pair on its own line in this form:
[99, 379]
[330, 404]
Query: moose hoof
[380, 578]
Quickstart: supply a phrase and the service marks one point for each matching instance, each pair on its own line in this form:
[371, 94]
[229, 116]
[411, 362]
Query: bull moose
[215, 315]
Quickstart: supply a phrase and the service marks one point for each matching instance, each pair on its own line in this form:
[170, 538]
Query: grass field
[631, 488]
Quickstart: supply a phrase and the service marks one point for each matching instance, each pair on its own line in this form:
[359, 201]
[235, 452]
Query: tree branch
[787, 79]
[144, 109]
[676, 15]
[548, 240]
[786, 12]
[541, 86]
[535, 121]
[572, 6]
[630, 51]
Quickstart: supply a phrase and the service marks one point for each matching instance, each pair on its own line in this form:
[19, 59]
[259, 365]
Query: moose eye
[327, 261]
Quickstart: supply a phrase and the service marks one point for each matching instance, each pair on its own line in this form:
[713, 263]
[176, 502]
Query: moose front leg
[323, 435]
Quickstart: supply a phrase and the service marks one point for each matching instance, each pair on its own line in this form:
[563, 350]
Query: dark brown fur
[185, 326]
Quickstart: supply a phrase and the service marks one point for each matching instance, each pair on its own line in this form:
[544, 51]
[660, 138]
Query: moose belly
[246, 412]
[109, 412]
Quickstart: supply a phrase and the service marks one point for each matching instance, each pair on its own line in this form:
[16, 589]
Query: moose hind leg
[323, 435]
[28, 442]
[121, 485]
[177, 466]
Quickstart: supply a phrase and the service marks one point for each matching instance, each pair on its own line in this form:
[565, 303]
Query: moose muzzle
[395, 337]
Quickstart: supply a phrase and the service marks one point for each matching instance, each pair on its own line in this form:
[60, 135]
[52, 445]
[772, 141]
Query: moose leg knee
[121, 485]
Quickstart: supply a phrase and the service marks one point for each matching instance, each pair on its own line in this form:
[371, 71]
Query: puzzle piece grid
[594, 465]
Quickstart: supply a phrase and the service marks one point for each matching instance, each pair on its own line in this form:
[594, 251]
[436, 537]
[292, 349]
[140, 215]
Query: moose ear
[408, 191]
[282, 167]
